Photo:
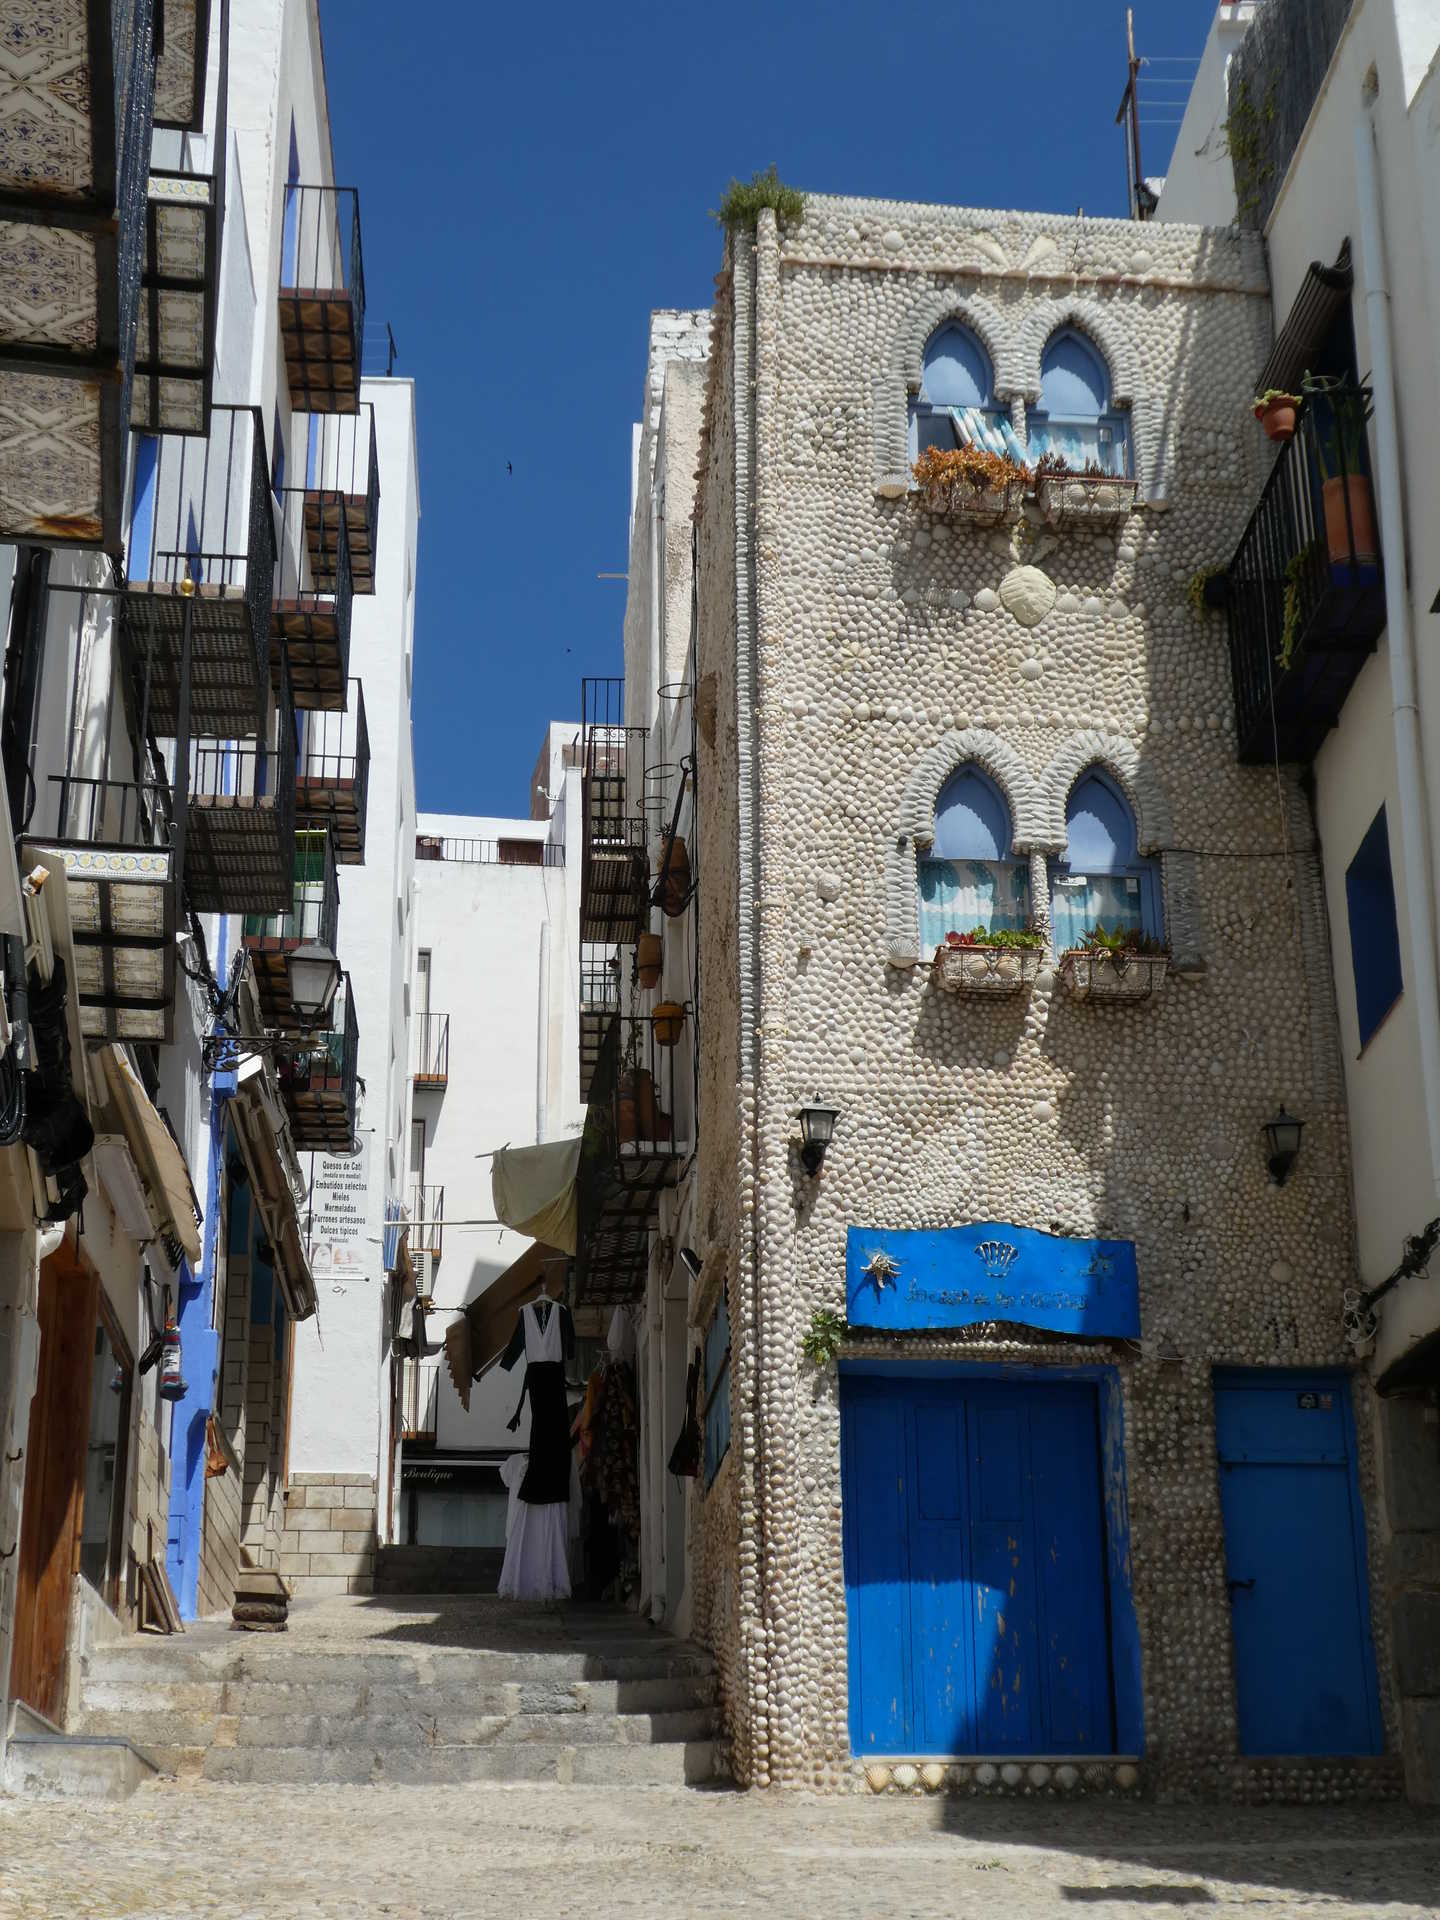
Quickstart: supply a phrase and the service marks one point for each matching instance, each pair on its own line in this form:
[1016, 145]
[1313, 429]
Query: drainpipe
[542, 1040]
[1409, 766]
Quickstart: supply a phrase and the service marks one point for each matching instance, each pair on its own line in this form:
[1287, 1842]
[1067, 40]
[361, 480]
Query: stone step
[387, 1732]
[86, 1766]
[252, 1698]
[419, 1570]
[671, 1765]
[257, 1658]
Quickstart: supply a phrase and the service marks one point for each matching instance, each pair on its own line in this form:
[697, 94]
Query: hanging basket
[985, 969]
[648, 955]
[672, 879]
[669, 1022]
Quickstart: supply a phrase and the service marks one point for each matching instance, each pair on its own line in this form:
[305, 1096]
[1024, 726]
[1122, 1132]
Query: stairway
[432, 1690]
[438, 1569]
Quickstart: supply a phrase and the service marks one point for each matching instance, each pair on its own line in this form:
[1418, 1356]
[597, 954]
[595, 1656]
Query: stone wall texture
[859, 647]
[327, 1539]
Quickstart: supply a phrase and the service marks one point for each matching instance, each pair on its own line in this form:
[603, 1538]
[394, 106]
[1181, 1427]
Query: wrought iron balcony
[322, 298]
[599, 1003]
[201, 552]
[342, 480]
[179, 287]
[427, 1221]
[239, 831]
[334, 775]
[115, 839]
[312, 917]
[614, 877]
[637, 1140]
[1305, 592]
[77, 93]
[432, 1051]
[310, 616]
[318, 1083]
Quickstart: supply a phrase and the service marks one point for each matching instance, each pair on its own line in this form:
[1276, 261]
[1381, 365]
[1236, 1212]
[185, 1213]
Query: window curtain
[1080, 901]
[959, 895]
[1078, 441]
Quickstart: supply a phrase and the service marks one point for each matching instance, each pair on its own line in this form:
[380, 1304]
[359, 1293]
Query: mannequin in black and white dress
[536, 1564]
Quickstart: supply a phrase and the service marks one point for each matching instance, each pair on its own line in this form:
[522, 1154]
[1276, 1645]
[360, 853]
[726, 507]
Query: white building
[1333, 152]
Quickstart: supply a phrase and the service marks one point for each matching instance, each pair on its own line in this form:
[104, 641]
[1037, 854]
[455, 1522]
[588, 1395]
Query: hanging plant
[822, 1343]
[1201, 595]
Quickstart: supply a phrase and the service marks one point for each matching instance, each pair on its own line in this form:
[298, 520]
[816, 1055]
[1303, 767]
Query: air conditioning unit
[425, 1276]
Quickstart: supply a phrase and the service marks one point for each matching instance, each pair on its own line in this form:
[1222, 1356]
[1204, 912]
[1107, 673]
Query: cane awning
[482, 1331]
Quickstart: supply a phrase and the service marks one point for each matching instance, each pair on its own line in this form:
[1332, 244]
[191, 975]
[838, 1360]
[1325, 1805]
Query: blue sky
[532, 182]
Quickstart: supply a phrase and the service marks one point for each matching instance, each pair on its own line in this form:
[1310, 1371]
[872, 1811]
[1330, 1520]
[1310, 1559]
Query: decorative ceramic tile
[175, 102]
[49, 458]
[48, 286]
[45, 97]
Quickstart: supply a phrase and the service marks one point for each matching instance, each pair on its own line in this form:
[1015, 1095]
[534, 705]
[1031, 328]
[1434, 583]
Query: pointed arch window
[970, 877]
[1103, 878]
[1076, 416]
[956, 403]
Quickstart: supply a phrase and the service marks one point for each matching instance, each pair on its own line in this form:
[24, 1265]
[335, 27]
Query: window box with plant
[1085, 496]
[988, 960]
[1120, 963]
[971, 483]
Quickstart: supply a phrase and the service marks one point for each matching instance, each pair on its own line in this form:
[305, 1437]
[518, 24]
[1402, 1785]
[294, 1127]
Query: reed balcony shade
[77, 100]
[202, 541]
[114, 839]
[333, 775]
[342, 481]
[310, 613]
[322, 297]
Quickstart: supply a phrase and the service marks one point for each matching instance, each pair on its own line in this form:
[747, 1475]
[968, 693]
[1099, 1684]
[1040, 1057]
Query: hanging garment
[536, 1565]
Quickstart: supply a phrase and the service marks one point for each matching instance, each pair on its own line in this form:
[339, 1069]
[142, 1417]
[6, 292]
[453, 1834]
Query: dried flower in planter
[971, 482]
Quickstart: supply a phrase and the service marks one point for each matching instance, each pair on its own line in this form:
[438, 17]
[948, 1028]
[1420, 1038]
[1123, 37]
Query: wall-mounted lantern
[1282, 1145]
[817, 1130]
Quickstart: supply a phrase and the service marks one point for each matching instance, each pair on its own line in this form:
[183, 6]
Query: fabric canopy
[161, 1164]
[483, 1329]
[277, 1186]
[533, 1189]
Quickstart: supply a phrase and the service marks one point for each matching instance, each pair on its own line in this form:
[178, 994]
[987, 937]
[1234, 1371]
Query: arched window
[1103, 879]
[1075, 417]
[970, 877]
[956, 405]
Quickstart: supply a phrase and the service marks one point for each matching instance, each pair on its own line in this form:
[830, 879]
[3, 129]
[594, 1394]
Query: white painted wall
[340, 1407]
[1199, 188]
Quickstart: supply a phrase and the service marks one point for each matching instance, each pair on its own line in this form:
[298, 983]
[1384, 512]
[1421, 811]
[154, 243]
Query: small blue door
[974, 1566]
[1295, 1564]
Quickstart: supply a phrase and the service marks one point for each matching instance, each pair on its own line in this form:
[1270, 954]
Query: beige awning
[533, 1189]
[276, 1183]
[159, 1162]
[483, 1330]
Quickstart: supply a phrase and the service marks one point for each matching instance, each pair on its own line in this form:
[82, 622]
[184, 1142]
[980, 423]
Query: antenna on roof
[390, 362]
[1142, 200]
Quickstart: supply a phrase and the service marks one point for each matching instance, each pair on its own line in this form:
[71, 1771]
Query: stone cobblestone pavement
[410, 1853]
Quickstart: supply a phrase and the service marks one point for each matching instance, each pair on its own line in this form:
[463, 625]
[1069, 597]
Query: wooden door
[54, 1482]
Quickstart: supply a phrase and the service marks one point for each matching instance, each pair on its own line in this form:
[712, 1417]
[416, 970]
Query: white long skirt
[536, 1566]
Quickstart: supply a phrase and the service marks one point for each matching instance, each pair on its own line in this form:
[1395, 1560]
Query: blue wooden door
[975, 1567]
[1295, 1564]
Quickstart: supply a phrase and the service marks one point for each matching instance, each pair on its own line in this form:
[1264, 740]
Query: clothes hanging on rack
[536, 1563]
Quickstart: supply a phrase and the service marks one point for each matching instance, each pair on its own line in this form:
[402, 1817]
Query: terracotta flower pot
[1360, 524]
[669, 1019]
[1278, 420]
[648, 952]
[675, 887]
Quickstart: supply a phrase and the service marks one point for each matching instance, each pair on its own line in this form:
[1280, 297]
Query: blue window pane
[956, 370]
[956, 896]
[1374, 930]
[1073, 380]
[1099, 827]
[1103, 880]
[972, 821]
[142, 508]
[1075, 418]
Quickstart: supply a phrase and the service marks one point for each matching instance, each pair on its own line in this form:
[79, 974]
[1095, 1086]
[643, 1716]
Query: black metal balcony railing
[600, 984]
[74, 150]
[239, 836]
[122, 910]
[599, 1003]
[614, 881]
[1275, 78]
[319, 1083]
[427, 1220]
[310, 614]
[322, 297]
[490, 853]
[334, 774]
[1305, 592]
[312, 916]
[432, 1050]
[202, 546]
[342, 479]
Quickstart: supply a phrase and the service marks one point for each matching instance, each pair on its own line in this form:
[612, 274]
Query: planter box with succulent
[1086, 496]
[968, 483]
[1277, 412]
[1005, 960]
[1119, 965]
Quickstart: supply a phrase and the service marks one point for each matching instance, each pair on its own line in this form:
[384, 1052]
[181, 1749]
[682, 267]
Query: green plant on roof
[745, 200]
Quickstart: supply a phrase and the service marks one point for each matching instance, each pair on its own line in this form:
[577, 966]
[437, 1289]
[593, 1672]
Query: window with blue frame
[970, 877]
[1076, 417]
[1103, 880]
[1374, 928]
[717, 1390]
[956, 403]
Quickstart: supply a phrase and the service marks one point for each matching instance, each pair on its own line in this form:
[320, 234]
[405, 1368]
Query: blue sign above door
[903, 1280]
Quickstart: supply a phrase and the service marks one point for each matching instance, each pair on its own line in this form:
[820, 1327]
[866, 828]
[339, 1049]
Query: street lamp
[1282, 1141]
[314, 977]
[817, 1130]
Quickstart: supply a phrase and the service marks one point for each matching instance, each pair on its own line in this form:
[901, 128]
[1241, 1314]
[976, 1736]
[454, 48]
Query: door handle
[1233, 1587]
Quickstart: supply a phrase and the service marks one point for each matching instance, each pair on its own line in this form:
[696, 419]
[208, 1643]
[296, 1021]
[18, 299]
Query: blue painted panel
[1075, 1653]
[956, 370]
[940, 1656]
[972, 821]
[1073, 381]
[717, 1390]
[290, 246]
[1099, 827]
[1374, 932]
[1002, 1547]
[958, 1276]
[877, 1570]
[142, 504]
[1295, 1561]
